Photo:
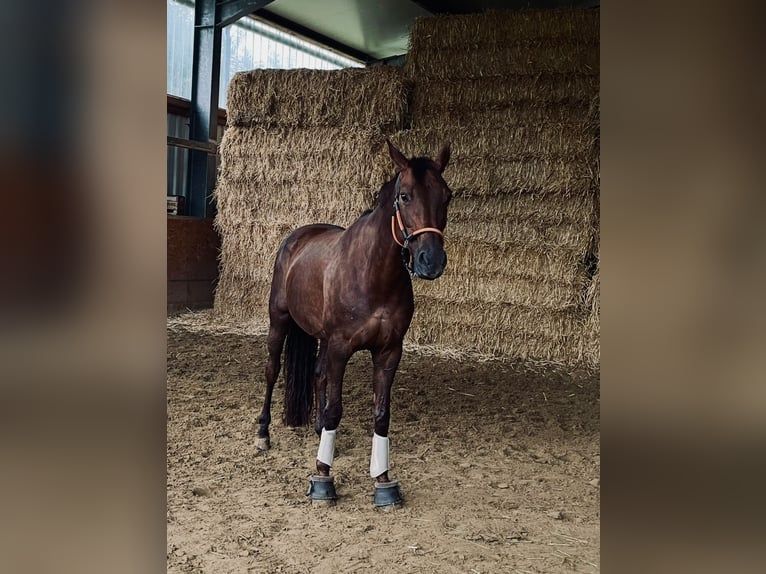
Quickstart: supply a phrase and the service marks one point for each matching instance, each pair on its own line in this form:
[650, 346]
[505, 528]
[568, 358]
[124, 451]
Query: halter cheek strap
[396, 219]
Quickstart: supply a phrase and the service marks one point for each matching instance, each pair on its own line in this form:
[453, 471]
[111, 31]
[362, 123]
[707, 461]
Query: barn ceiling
[378, 29]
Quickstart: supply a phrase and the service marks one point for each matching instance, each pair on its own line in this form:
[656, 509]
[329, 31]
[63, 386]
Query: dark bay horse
[345, 290]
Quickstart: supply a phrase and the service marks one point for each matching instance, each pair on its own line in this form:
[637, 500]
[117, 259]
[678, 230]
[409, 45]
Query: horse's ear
[442, 159]
[401, 162]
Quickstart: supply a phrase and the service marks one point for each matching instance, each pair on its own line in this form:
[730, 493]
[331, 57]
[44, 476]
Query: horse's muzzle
[430, 263]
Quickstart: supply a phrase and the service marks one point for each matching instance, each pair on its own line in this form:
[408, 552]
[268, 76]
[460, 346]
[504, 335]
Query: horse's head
[420, 202]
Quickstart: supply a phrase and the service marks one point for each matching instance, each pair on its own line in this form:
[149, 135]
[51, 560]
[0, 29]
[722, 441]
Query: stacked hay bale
[513, 92]
[301, 146]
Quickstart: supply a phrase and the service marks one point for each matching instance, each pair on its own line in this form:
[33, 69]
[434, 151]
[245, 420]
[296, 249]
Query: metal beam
[315, 36]
[210, 148]
[229, 11]
[210, 16]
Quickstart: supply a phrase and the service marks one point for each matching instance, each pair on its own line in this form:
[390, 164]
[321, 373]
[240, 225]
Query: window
[246, 45]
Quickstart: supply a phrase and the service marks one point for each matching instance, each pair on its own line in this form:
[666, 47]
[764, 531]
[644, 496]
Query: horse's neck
[380, 251]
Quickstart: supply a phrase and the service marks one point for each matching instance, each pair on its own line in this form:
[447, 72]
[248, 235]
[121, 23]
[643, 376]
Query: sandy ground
[499, 466]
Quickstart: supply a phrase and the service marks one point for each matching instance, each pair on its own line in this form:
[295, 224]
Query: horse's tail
[300, 361]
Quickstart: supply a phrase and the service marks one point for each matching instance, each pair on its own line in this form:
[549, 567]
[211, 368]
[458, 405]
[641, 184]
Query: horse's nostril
[423, 258]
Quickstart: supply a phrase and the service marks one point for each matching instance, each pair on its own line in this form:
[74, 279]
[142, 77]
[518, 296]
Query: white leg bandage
[326, 451]
[379, 457]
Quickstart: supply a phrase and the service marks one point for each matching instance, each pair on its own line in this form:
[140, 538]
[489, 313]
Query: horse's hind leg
[320, 387]
[279, 326]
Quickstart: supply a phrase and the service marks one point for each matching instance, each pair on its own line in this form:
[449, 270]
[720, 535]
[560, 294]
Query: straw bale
[516, 160]
[593, 299]
[515, 261]
[316, 157]
[241, 299]
[493, 315]
[369, 97]
[529, 96]
[496, 27]
[487, 176]
[569, 57]
[510, 114]
[488, 288]
[592, 328]
[576, 210]
[499, 329]
[520, 233]
[545, 140]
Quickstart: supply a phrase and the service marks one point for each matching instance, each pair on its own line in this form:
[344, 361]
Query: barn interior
[525, 220]
[495, 419]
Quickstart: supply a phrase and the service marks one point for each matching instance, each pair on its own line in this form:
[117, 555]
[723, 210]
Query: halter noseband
[396, 219]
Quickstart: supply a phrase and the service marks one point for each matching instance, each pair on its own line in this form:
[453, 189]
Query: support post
[210, 16]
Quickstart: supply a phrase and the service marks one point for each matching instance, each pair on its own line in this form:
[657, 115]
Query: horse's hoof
[322, 491]
[263, 443]
[387, 495]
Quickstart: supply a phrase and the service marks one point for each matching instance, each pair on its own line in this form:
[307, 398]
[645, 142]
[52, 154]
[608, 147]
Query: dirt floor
[499, 466]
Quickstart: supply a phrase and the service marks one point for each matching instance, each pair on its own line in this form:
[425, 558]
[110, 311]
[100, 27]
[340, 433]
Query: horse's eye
[405, 197]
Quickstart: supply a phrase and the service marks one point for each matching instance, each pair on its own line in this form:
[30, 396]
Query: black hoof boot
[322, 491]
[387, 495]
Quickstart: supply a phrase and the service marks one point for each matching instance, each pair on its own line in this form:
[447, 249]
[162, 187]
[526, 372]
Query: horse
[345, 290]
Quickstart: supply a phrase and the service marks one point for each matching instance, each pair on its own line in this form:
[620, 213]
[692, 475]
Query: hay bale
[343, 156]
[524, 290]
[241, 299]
[545, 159]
[499, 329]
[370, 97]
[503, 101]
[545, 140]
[520, 113]
[432, 34]
[592, 338]
[541, 211]
[524, 58]
[503, 43]
[520, 233]
[492, 258]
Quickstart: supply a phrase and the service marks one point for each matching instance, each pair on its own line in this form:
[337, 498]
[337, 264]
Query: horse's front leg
[385, 363]
[335, 358]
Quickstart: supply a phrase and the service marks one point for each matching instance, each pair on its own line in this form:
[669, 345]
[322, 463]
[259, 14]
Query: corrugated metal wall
[178, 126]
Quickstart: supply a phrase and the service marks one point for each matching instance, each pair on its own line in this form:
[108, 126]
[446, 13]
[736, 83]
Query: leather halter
[396, 220]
